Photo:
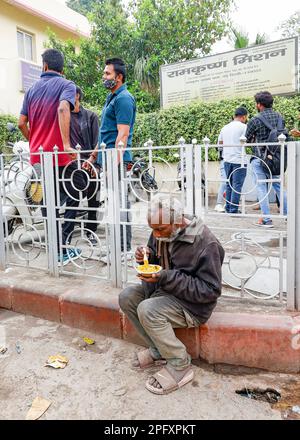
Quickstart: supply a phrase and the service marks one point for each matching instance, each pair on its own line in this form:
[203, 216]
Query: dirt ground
[99, 384]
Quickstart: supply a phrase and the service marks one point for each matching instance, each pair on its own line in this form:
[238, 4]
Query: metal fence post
[206, 142]
[291, 226]
[189, 176]
[149, 145]
[113, 207]
[117, 199]
[281, 140]
[50, 204]
[243, 141]
[104, 188]
[2, 229]
[198, 178]
[111, 249]
[297, 228]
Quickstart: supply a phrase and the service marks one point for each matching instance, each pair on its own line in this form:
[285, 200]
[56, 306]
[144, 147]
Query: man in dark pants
[85, 132]
[117, 124]
[45, 121]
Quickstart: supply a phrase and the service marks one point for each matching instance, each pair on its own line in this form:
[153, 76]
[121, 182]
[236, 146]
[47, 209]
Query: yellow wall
[12, 18]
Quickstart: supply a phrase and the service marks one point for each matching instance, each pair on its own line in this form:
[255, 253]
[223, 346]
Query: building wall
[12, 18]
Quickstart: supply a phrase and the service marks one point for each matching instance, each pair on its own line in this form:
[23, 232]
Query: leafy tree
[112, 31]
[240, 39]
[82, 66]
[82, 6]
[85, 67]
[291, 27]
[146, 34]
[260, 39]
[167, 31]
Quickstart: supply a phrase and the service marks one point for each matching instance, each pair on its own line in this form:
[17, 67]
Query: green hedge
[197, 120]
[201, 119]
[5, 135]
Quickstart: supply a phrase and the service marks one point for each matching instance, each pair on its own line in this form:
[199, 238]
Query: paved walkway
[99, 384]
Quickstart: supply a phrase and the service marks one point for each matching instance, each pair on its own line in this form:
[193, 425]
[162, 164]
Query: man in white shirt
[234, 163]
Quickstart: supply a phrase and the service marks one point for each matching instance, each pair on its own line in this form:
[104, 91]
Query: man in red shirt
[45, 122]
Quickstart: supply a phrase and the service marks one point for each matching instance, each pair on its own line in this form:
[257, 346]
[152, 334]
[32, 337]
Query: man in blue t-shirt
[117, 124]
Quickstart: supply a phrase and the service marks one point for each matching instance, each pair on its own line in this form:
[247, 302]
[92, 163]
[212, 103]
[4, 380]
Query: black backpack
[272, 153]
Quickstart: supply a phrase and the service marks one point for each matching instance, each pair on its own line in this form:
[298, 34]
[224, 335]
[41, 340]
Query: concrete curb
[251, 340]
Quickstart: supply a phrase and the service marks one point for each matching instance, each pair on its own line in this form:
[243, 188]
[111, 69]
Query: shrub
[5, 135]
[201, 119]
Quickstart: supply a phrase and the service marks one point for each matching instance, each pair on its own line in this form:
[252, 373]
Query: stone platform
[238, 333]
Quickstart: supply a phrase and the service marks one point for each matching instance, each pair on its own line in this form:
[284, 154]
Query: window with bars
[25, 45]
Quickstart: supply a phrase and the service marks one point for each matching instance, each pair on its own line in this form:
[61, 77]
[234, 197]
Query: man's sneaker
[264, 223]
[71, 254]
[92, 239]
[219, 208]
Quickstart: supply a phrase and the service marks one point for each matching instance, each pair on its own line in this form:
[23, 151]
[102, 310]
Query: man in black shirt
[84, 131]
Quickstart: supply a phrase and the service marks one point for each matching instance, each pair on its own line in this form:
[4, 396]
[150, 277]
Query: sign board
[239, 73]
[30, 73]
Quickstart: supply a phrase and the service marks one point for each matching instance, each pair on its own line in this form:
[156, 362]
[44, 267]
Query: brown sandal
[168, 382]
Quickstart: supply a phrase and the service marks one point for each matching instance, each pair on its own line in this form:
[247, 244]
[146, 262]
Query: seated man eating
[182, 295]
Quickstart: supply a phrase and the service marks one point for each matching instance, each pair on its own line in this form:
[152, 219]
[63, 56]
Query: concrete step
[246, 338]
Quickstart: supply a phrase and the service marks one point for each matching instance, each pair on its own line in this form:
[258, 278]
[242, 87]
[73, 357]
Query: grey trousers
[155, 318]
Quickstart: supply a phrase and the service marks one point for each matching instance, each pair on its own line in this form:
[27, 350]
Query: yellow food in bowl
[148, 269]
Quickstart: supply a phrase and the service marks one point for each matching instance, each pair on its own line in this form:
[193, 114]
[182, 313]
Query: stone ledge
[104, 320]
[41, 305]
[250, 340]
[6, 297]
[234, 338]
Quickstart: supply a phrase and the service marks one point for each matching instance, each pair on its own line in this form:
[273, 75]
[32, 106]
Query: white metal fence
[44, 216]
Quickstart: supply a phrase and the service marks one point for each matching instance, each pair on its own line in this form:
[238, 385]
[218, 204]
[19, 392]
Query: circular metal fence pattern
[88, 251]
[240, 268]
[142, 187]
[255, 182]
[244, 263]
[18, 179]
[85, 178]
[24, 243]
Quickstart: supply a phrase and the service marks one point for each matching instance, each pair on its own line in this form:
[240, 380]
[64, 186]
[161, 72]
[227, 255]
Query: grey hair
[165, 209]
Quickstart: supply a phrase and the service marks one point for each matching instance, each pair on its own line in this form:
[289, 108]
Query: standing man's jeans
[155, 317]
[72, 203]
[262, 188]
[222, 187]
[93, 196]
[236, 176]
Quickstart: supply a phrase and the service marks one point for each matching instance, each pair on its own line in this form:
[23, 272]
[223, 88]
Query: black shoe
[92, 239]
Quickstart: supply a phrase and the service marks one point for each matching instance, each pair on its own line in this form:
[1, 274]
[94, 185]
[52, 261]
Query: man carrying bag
[265, 128]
